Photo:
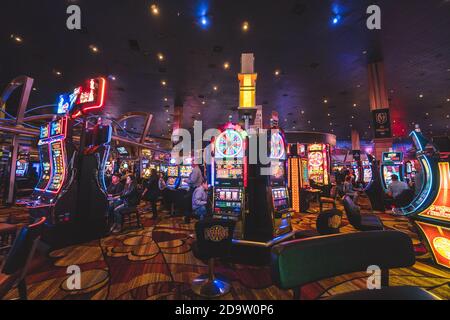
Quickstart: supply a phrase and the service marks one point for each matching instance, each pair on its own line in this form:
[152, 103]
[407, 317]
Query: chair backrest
[23, 247]
[333, 192]
[299, 262]
[352, 211]
[329, 222]
[404, 198]
[214, 237]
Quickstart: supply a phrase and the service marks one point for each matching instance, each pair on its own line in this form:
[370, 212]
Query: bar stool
[214, 241]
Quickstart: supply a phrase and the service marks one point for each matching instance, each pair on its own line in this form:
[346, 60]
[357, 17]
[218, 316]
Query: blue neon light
[202, 14]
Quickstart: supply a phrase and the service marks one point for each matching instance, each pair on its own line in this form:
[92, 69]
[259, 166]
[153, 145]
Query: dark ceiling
[317, 59]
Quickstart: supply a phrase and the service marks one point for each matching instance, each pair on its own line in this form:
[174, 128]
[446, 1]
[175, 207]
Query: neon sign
[90, 97]
[66, 102]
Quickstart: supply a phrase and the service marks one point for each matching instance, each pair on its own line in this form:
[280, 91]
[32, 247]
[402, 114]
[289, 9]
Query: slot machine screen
[228, 200]
[21, 168]
[44, 133]
[388, 171]
[56, 128]
[172, 171]
[185, 171]
[230, 169]
[45, 167]
[58, 167]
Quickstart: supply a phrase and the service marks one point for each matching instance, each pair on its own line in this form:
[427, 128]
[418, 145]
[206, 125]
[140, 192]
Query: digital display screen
[45, 167]
[392, 157]
[58, 167]
[228, 200]
[388, 171]
[172, 171]
[230, 169]
[44, 132]
[277, 170]
[185, 171]
[122, 150]
[56, 128]
[280, 199]
[171, 181]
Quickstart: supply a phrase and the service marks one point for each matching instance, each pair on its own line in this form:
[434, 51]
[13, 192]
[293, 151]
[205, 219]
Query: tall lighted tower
[247, 89]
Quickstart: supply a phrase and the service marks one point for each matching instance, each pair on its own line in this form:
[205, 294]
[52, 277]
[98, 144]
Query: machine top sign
[90, 97]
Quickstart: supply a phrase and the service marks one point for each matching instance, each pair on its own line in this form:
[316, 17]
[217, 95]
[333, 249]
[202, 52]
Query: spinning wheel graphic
[315, 159]
[229, 144]
[277, 146]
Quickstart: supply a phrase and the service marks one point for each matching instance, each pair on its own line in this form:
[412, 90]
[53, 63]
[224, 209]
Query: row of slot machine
[178, 175]
[71, 190]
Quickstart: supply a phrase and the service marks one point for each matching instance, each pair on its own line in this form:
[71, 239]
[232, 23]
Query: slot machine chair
[300, 262]
[134, 210]
[214, 241]
[19, 258]
[7, 236]
[366, 222]
[329, 200]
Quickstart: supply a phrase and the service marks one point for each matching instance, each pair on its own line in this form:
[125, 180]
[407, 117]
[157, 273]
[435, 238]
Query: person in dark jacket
[129, 200]
[151, 191]
[115, 188]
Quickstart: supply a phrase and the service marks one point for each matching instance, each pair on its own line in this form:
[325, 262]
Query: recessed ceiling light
[58, 73]
[34, 89]
[215, 88]
[165, 99]
[154, 9]
[160, 57]
[355, 105]
[203, 102]
[94, 48]
[421, 95]
[277, 73]
[16, 38]
[303, 111]
[329, 114]
[226, 65]
[325, 100]
[245, 26]
[448, 99]
[163, 82]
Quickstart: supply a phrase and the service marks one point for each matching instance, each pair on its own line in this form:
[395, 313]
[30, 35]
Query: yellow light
[325, 100]
[277, 73]
[154, 9]
[160, 57]
[164, 83]
[226, 65]
[93, 48]
[216, 88]
[245, 26]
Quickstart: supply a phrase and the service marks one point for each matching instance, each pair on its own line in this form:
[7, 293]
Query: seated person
[115, 188]
[200, 200]
[129, 199]
[396, 187]
[349, 190]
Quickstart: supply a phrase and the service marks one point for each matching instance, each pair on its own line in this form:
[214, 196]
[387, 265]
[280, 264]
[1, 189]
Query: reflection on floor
[156, 262]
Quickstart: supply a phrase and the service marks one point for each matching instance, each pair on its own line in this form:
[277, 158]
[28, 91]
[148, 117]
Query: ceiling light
[226, 65]
[215, 88]
[94, 48]
[154, 9]
[245, 26]
[421, 96]
[325, 100]
[164, 83]
[355, 105]
[160, 57]
[17, 39]
[203, 102]
[277, 73]
[58, 73]
[165, 99]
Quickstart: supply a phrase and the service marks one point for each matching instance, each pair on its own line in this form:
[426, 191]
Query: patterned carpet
[156, 262]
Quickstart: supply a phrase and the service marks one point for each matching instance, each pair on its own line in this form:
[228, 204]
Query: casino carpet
[156, 262]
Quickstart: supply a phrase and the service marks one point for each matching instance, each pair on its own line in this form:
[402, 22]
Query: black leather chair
[300, 262]
[214, 240]
[404, 198]
[16, 264]
[128, 213]
[329, 222]
[366, 222]
[329, 200]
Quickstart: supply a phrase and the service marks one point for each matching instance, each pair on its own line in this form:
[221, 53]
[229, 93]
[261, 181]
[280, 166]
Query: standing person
[163, 190]
[200, 200]
[151, 191]
[129, 200]
[195, 180]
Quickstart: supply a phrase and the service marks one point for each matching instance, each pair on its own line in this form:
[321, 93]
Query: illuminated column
[378, 98]
[247, 88]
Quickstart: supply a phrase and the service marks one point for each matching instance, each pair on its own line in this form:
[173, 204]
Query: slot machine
[22, 165]
[145, 168]
[392, 163]
[185, 171]
[229, 176]
[297, 174]
[173, 176]
[55, 194]
[271, 218]
[318, 164]
[367, 172]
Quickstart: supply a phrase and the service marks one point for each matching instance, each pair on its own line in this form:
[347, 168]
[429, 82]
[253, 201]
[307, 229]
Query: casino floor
[157, 263]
